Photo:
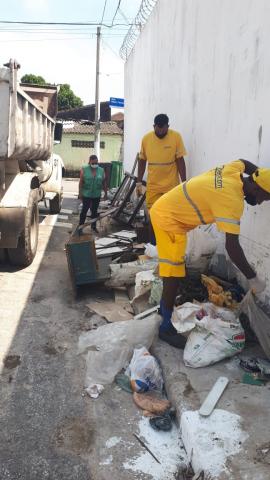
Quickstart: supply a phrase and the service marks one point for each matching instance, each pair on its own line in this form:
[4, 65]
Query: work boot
[167, 332]
[172, 337]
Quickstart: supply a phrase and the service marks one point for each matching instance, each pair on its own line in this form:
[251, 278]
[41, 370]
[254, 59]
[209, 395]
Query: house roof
[86, 112]
[118, 117]
[106, 128]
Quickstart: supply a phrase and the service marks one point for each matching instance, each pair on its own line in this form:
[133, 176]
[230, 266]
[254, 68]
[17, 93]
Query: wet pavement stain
[12, 361]
[75, 435]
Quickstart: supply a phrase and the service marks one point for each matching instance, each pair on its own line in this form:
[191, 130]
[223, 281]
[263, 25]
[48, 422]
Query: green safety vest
[92, 186]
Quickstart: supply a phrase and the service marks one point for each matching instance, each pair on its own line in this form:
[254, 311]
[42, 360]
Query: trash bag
[144, 372]
[109, 348]
[151, 251]
[143, 282]
[124, 274]
[217, 335]
[201, 245]
[259, 321]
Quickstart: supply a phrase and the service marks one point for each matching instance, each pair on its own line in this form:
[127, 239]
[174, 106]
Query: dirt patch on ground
[189, 390]
[263, 453]
[12, 361]
[75, 435]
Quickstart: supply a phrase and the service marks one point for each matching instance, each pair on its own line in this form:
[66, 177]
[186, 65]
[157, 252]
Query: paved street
[49, 428]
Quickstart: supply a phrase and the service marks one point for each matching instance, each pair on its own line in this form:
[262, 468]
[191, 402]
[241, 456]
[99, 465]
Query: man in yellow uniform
[163, 150]
[217, 197]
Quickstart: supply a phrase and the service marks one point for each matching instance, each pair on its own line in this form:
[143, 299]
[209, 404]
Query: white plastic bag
[216, 336]
[109, 348]
[151, 250]
[259, 321]
[143, 282]
[144, 372]
[201, 245]
[184, 317]
[124, 274]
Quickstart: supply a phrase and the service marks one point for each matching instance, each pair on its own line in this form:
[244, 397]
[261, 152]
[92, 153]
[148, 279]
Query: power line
[70, 23]
[104, 8]
[115, 13]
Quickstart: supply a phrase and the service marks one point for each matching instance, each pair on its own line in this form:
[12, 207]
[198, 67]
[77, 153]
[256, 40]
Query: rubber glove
[257, 285]
[139, 189]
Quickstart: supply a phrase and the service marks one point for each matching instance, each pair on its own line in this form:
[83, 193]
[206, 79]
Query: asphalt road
[49, 428]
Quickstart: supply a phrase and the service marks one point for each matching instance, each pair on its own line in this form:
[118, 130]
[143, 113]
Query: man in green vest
[92, 182]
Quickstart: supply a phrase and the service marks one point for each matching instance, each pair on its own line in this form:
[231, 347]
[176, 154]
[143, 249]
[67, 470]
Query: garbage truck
[29, 170]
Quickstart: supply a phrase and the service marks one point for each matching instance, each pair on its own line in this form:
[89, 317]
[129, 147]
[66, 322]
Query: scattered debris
[259, 321]
[110, 310]
[144, 372]
[213, 396]
[252, 379]
[94, 390]
[109, 348]
[151, 403]
[145, 446]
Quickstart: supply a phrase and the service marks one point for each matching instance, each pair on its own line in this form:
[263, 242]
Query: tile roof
[106, 128]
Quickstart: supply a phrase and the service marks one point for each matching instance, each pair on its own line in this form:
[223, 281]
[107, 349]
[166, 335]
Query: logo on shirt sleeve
[218, 177]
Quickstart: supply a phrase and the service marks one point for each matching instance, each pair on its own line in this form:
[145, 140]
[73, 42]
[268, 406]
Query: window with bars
[85, 144]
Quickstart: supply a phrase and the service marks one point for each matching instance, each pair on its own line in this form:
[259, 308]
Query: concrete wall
[75, 157]
[207, 65]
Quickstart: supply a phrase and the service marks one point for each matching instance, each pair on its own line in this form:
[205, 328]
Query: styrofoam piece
[63, 224]
[125, 234]
[66, 211]
[213, 396]
[105, 242]
[146, 313]
[108, 251]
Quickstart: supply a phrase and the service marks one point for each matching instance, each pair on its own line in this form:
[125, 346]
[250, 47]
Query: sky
[67, 54]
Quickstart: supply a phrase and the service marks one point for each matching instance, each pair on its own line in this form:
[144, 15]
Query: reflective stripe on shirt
[227, 220]
[161, 164]
[194, 206]
[169, 262]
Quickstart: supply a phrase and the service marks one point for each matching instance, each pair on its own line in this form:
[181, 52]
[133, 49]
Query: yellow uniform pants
[151, 198]
[171, 251]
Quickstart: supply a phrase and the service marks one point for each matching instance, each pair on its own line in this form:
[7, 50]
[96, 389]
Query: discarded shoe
[172, 337]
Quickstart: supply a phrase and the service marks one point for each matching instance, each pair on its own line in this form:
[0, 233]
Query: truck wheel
[56, 204]
[25, 252]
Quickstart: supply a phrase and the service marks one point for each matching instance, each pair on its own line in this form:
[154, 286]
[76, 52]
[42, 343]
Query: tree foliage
[35, 79]
[66, 97]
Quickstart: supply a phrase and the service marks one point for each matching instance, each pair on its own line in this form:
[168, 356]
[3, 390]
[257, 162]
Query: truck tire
[25, 252]
[56, 204]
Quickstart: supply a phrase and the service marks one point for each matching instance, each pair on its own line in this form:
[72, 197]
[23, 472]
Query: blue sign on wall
[117, 102]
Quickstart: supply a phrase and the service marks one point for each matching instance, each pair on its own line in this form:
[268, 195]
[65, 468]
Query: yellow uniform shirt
[161, 155]
[214, 197]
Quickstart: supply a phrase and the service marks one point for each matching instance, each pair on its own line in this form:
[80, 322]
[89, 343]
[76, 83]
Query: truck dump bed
[26, 129]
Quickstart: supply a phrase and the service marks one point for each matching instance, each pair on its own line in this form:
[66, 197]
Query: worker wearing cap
[217, 197]
[163, 150]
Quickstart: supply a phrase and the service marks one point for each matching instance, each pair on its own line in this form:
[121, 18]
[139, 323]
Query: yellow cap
[262, 178]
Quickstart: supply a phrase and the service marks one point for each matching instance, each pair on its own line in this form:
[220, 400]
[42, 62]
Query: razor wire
[134, 31]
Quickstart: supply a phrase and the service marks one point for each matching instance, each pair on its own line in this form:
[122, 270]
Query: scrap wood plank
[213, 396]
[111, 311]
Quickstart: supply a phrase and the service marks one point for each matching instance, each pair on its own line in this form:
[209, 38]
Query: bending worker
[163, 150]
[217, 197]
[92, 182]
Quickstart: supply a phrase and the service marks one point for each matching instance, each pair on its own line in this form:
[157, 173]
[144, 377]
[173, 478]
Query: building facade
[78, 143]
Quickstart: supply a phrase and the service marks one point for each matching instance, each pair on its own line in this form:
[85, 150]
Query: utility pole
[97, 104]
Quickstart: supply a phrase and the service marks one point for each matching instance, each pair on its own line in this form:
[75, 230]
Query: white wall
[207, 65]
